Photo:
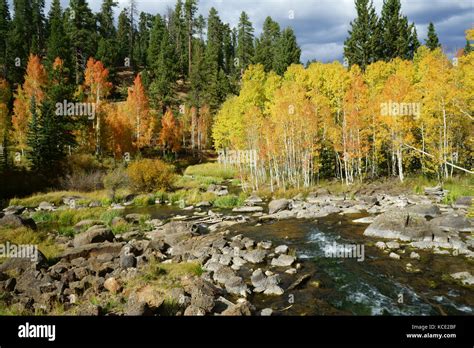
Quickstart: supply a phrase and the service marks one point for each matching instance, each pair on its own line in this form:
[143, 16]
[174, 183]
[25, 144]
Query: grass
[229, 201]
[24, 236]
[163, 276]
[215, 170]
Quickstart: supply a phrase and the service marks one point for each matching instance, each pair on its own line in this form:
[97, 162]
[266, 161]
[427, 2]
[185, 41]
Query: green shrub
[215, 170]
[148, 175]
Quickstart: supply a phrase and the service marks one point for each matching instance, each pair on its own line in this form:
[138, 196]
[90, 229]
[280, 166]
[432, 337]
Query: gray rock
[465, 277]
[393, 245]
[281, 249]
[240, 309]
[300, 281]
[414, 255]
[81, 225]
[453, 223]
[223, 274]
[283, 260]
[95, 234]
[426, 210]
[266, 312]
[464, 202]
[15, 221]
[194, 311]
[236, 285]
[265, 245]
[255, 256]
[46, 206]
[278, 205]
[14, 209]
[400, 224]
[92, 250]
[247, 209]
[394, 256]
[253, 199]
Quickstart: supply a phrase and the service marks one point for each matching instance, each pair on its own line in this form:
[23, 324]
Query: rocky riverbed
[254, 260]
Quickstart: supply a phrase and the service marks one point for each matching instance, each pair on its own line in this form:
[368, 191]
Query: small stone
[281, 249]
[266, 312]
[394, 256]
[112, 285]
[414, 255]
[283, 260]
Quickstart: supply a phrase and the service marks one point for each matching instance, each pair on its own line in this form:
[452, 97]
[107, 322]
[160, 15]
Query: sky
[321, 26]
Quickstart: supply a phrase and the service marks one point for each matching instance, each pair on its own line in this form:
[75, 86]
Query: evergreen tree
[124, 37]
[432, 42]
[163, 85]
[4, 27]
[468, 48]
[266, 44]
[38, 27]
[190, 8]
[156, 36]
[177, 29]
[414, 43]
[107, 50]
[287, 51]
[245, 49]
[396, 33]
[19, 40]
[143, 40]
[81, 29]
[362, 45]
[58, 44]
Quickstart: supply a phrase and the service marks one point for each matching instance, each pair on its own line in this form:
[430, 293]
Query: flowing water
[378, 285]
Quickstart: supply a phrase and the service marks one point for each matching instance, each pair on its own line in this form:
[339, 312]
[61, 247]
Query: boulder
[283, 260]
[453, 223]
[235, 285]
[426, 210]
[92, 250]
[95, 234]
[14, 209]
[281, 249]
[300, 281]
[112, 285]
[46, 206]
[464, 202]
[16, 221]
[240, 309]
[223, 274]
[255, 256]
[401, 224]
[278, 205]
[81, 225]
[194, 311]
[175, 232]
[394, 256]
[465, 277]
[253, 199]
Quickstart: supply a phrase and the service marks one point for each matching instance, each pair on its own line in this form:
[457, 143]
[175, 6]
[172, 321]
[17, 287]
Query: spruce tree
[245, 48]
[38, 27]
[58, 43]
[395, 32]
[107, 50]
[468, 48]
[177, 30]
[124, 37]
[287, 51]
[4, 27]
[156, 36]
[19, 40]
[190, 8]
[81, 29]
[265, 45]
[143, 39]
[432, 42]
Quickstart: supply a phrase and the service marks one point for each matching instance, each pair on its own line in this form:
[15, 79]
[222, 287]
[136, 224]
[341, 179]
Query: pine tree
[164, 69]
[287, 51]
[432, 42]
[362, 45]
[19, 39]
[123, 37]
[265, 45]
[190, 8]
[81, 29]
[395, 32]
[177, 30]
[33, 137]
[58, 44]
[143, 40]
[245, 49]
[414, 42]
[4, 27]
[38, 27]
[156, 36]
[468, 48]
[107, 50]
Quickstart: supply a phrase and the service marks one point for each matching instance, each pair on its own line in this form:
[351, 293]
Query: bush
[149, 175]
[229, 201]
[215, 170]
[83, 181]
[115, 180]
